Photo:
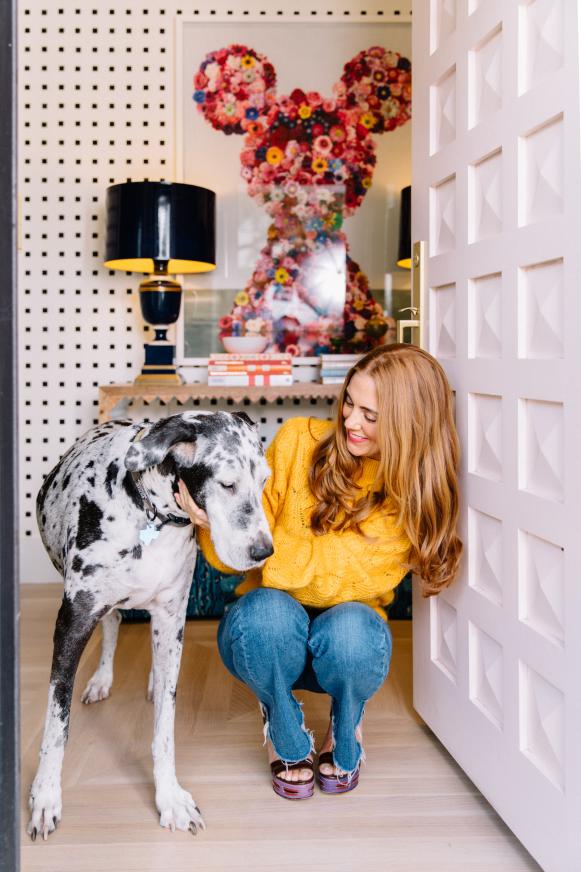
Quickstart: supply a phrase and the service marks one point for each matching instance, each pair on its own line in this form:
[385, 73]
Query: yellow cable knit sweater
[328, 569]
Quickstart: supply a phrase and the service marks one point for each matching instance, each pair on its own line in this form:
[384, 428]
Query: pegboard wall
[96, 88]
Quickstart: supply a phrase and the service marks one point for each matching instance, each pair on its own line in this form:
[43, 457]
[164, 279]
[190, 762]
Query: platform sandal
[335, 783]
[292, 789]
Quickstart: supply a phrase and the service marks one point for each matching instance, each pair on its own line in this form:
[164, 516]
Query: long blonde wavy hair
[418, 465]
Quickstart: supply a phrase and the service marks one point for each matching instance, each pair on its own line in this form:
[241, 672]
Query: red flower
[280, 137]
[269, 74]
[298, 96]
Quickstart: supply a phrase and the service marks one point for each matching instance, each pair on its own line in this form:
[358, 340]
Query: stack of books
[250, 369]
[334, 367]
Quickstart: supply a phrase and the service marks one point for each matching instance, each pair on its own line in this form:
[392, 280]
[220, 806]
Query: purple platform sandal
[292, 789]
[335, 783]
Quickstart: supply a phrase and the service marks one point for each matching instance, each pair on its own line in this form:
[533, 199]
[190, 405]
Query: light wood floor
[414, 811]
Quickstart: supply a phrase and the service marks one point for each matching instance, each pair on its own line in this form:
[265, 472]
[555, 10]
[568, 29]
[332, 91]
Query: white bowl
[245, 344]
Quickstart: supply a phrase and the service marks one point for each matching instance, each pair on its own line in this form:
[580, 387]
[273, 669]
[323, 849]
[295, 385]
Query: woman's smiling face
[360, 416]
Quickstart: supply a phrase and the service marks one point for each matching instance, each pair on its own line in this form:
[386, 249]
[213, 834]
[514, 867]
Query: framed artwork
[301, 128]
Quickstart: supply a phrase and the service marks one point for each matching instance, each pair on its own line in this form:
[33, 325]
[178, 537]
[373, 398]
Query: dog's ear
[173, 435]
[244, 417]
[234, 89]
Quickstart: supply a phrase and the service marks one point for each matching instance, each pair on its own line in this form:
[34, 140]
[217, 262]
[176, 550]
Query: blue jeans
[274, 645]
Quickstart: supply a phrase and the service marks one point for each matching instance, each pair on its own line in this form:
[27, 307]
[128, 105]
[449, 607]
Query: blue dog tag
[148, 534]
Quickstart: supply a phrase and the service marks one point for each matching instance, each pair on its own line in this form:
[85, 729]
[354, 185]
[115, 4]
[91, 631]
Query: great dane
[111, 526]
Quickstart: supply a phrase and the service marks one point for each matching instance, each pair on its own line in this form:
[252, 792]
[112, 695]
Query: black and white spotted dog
[111, 525]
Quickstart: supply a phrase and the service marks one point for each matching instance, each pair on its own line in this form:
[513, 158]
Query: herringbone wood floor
[414, 811]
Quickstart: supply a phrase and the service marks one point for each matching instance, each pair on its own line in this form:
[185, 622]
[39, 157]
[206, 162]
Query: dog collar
[151, 510]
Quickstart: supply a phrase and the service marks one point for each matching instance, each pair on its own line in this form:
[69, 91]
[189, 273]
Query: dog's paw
[98, 688]
[178, 811]
[46, 808]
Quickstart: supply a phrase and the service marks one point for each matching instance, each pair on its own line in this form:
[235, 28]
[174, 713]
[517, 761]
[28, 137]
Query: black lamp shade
[404, 249]
[160, 227]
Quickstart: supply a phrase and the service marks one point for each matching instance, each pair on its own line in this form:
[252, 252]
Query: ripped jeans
[274, 645]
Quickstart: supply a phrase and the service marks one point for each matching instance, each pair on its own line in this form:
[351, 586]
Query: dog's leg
[75, 622]
[149, 694]
[176, 807]
[99, 685]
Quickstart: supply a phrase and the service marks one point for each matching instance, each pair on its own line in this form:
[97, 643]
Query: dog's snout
[260, 549]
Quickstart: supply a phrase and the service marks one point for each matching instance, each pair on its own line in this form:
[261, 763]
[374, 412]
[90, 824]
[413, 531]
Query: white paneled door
[497, 197]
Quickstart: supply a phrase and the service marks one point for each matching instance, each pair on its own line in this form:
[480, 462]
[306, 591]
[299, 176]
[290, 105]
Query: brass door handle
[418, 298]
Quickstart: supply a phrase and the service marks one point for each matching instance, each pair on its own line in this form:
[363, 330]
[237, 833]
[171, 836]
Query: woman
[352, 507]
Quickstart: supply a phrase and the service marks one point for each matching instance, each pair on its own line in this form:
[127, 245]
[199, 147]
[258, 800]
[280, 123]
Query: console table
[111, 395]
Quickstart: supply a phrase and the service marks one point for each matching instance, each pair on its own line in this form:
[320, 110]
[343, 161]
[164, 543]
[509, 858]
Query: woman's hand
[184, 500]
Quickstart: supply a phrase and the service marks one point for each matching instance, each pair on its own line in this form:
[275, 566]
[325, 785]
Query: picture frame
[306, 54]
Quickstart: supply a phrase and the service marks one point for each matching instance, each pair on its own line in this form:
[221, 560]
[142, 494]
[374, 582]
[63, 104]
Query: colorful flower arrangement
[233, 87]
[309, 162]
[245, 320]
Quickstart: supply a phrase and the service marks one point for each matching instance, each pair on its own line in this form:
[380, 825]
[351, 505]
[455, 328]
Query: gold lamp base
[160, 300]
[171, 378]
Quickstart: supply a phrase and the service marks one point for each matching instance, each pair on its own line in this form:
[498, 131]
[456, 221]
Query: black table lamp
[404, 249]
[160, 228]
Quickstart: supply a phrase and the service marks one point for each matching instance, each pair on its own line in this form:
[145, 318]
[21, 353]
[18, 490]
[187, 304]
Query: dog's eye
[229, 487]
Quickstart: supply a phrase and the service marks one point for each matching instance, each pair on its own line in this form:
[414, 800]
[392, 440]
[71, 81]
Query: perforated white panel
[96, 108]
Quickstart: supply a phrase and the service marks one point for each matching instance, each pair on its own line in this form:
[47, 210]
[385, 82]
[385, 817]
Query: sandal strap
[277, 766]
[326, 757]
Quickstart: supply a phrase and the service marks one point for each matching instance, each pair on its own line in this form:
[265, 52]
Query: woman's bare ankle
[327, 768]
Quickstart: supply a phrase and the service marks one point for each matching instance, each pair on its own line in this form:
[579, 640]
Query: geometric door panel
[443, 216]
[443, 97]
[541, 177]
[485, 436]
[541, 310]
[542, 725]
[485, 197]
[485, 670]
[541, 448]
[443, 323]
[542, 587]
[485, 573]
[496, 195]
[542, 33]
[485, 77]
[442, 23]
[485, 316]
[444, 636]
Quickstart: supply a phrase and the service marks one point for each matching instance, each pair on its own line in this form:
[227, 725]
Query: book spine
[252, 358]
[217, 368]
[241, 380]
[332, 380]
[345, 359]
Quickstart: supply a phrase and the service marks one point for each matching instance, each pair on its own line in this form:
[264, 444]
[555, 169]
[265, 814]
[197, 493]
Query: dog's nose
[260, 549]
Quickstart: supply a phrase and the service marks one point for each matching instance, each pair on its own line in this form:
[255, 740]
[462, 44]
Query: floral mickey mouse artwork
[308, 160]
